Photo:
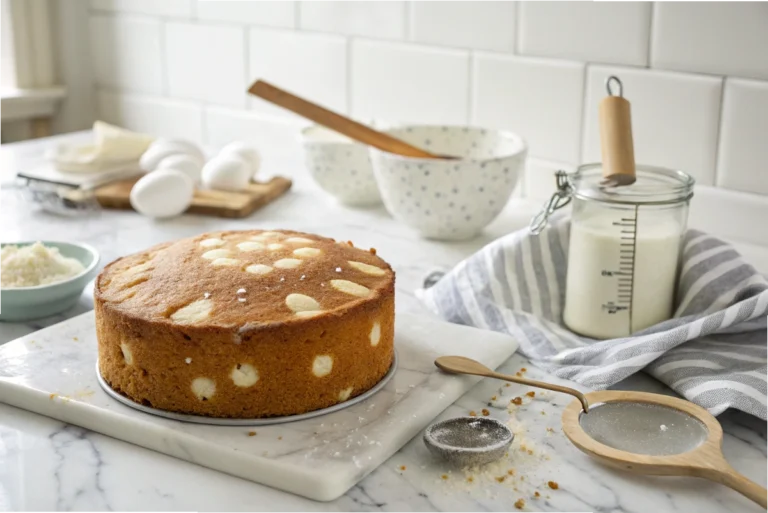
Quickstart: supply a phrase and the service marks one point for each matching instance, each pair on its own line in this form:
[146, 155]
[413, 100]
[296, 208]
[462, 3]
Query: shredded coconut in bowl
[36, 264]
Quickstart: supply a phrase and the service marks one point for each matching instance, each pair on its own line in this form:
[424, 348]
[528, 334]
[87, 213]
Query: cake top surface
[243, 279]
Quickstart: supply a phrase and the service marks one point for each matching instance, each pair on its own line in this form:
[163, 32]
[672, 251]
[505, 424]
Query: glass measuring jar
[624, 248]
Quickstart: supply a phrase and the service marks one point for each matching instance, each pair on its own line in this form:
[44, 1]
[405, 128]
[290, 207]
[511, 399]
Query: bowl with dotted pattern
[340, 166]
[449, 199]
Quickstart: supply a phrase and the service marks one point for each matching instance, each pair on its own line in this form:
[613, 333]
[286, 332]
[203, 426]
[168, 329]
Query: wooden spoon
[462, 365]
[705, 461]
[337, 122]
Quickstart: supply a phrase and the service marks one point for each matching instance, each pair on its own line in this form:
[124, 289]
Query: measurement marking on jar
[625, 274]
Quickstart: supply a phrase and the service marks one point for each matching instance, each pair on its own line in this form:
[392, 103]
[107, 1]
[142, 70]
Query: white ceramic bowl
[340, 166]
[450, 199]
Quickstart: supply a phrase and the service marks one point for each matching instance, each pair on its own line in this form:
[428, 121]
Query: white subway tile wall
[609, 32]
[541, 99]
[270, 14]
[206, 63]
[308, 64]
[409, 84]
[696, 74]
[480, 25]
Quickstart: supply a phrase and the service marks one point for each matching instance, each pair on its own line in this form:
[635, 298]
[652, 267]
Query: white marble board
[52, 372]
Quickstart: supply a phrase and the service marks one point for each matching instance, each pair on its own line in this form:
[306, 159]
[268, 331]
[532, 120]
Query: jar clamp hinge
[559, 199]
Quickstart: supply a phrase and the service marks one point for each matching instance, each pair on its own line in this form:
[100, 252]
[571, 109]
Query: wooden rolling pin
[616, 143]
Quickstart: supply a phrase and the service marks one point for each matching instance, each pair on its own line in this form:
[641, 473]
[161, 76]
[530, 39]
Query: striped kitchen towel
[712, 352]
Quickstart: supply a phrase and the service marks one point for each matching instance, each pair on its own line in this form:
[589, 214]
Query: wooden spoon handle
[337, 122]
[543, 384]
[729, 477]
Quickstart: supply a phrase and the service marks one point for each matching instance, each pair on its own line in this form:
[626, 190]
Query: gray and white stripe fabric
[712, 352]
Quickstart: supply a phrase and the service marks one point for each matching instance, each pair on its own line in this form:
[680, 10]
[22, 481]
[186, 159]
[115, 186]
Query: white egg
[162, 193]
[162, 148]
[226, 173]
[187, 164]
[246, 152]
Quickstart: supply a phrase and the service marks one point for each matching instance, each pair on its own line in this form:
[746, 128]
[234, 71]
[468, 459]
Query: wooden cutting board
[205, 202]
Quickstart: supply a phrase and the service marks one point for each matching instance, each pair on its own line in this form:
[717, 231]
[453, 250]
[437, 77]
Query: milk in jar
[624, 249]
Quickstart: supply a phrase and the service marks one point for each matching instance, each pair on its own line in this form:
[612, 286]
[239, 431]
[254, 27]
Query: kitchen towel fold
[712, 352]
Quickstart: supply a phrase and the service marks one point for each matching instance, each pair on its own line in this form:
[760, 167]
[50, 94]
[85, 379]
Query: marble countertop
[48, 465]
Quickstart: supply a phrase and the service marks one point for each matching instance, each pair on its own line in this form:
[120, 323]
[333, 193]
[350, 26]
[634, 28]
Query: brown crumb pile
[536, 494]
[402, 467]
[493, 398]
[519, 374]
[523, 370]
[472, 414]
[553, 485]
[501, 479]
[470, 479]
[486, 412]
[520, 504]
[444, 477]
[517, 401]
[279, 437]
[511, 472]
[507, 385]
[251, 433]
[531, 393]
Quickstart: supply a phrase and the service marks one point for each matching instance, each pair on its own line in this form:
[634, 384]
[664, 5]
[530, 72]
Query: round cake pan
[265, 421]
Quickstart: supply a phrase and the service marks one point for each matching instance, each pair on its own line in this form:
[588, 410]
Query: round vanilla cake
[245, 324]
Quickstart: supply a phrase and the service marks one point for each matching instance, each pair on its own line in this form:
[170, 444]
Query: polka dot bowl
[340, 166]
[450, 199]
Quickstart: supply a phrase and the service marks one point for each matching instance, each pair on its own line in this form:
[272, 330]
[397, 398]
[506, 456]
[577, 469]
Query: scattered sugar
[338, 269]
[241, 291]
[241, 299]
[207, 295]
[188, 360]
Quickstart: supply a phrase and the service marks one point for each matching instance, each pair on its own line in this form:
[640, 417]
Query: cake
[245, 324]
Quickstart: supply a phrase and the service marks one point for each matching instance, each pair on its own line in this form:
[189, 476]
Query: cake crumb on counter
[511, 472]
[531, 393]
[520, 503]
[536, 494]
[517, 401]
[444, 477]
[251, 433]
[553, 485]
[472, 414]
[486, 412]
[402, 468]
[501, 479]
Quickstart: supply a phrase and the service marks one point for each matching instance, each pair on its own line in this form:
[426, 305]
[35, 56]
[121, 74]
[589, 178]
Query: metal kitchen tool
[462, 365]
[337, 122]
[654, 434]
[468, 441]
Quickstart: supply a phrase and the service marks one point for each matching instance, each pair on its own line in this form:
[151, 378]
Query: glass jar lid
[653, 186]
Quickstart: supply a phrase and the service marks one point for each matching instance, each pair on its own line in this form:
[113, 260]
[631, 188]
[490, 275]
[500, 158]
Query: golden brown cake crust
[270, 323]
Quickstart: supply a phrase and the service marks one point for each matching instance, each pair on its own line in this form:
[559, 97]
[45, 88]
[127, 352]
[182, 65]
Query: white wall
[696, 73]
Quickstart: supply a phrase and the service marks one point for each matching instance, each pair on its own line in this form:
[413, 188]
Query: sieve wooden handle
[617, 147]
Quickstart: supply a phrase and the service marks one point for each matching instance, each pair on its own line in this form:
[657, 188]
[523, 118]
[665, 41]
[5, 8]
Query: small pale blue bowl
[27, 303]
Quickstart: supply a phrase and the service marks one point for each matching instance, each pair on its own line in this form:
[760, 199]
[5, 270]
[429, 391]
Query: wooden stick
[337, 122]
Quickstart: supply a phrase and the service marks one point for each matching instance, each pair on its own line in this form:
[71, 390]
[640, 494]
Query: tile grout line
[649, 48]
[348, 82]
[718, 133]
[584, 103]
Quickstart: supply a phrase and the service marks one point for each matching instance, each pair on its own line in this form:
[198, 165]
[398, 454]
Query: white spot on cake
[367, 268]
[241, 291]
[301, 303]
[287, 263]
[271, 235]
[127, 355]
[241, 299]
[309, 313]
[207, 295]
[299, 240]
[275, 246]
[322, 365]
[193, 312]
[244, 375]
[136, 269]
[338, 269]
[344, 394]
[225, 262]
[258, 269]
[188, 360]
[216, 253]
[250, 246]
[307, 252]
[203, 388]
[375, 335]
[211, 243]
[350, 287]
